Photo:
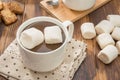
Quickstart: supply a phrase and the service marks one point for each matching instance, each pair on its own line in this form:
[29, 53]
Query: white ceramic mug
[79, 5]
[47, 61]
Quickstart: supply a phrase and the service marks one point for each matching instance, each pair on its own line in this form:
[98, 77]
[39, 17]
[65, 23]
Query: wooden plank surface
[63, 13]
[92, 68]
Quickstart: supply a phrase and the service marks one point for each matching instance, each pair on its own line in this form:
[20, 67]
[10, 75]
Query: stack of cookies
[9, 11]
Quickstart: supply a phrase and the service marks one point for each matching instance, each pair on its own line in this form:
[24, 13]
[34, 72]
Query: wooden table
[92, 68]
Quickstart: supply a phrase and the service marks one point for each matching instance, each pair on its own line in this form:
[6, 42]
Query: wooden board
[63, 13]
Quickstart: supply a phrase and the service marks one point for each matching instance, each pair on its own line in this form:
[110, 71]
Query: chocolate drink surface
[45, 47]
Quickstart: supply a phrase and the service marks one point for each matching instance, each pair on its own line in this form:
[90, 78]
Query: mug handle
[70, 27]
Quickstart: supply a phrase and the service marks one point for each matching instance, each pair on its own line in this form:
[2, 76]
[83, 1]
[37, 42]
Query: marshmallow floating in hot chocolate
[32, 37]
[53, 35]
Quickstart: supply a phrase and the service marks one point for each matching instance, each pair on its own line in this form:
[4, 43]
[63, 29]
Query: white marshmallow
[108, 54]
[114, 19]
[104, 27]
[116, 33]
[53, 35]
[118, 47]
[88, 30]
[31, 38]
[105, 39]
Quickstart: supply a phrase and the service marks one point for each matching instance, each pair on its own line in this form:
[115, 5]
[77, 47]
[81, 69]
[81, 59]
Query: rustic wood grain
[61, 11]
[92, 68]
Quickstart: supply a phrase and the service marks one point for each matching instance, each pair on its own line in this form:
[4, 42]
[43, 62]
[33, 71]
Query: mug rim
[39, 19]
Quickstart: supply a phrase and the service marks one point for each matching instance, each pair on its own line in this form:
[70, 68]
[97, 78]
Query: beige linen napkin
[11, 64]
